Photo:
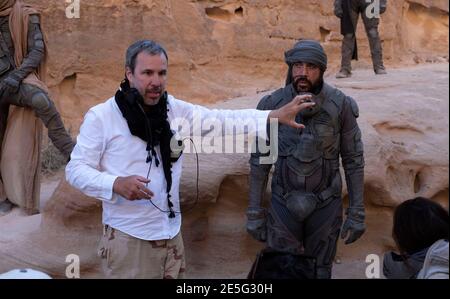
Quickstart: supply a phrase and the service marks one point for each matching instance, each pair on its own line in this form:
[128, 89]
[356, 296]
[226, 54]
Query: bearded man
[305, 213]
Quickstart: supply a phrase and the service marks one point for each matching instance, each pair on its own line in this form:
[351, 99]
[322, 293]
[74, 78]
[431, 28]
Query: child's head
[418, 223]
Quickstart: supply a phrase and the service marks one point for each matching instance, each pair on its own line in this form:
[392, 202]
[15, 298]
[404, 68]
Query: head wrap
[308, 51]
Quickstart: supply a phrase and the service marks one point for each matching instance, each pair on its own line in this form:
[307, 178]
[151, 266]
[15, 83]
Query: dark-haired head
[146, 65]
[147, 46]
[418, 223]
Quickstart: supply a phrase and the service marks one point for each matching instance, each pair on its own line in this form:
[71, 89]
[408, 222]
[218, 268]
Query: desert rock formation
[223, 49]
[218, 49]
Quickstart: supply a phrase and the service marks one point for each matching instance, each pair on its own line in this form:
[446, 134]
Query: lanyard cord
[171, 212]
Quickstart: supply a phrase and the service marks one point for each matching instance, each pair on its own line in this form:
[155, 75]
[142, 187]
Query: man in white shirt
[124, 157]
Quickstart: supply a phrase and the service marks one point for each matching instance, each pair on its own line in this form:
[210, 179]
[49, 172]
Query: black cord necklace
[171, 212]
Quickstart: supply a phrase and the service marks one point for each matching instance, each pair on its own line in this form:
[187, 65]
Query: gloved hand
[10, 85]
[354, 226]
[256, 223]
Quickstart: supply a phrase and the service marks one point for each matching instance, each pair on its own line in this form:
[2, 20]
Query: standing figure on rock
[348, 11]
[22, 63]
[305, 213]
[125, 157]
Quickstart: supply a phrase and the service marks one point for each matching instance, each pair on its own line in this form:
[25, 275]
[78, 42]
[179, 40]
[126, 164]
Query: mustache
[157, 89]
[302, 79]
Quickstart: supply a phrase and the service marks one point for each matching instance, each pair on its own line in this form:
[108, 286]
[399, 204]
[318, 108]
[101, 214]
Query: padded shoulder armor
[339, 99]
[354, 105]
[272, 101]
[335, 95]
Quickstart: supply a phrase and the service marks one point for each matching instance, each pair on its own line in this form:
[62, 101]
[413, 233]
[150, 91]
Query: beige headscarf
[20, 152]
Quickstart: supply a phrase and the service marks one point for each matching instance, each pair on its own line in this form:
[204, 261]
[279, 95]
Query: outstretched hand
[287, 114]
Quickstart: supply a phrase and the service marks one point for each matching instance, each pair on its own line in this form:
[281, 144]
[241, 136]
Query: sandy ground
[22, 222]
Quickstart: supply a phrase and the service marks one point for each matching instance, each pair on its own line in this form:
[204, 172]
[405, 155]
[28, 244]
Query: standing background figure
[22, 63]
[348, 11]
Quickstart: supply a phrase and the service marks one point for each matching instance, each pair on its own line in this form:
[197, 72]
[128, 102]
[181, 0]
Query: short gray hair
[147, 46]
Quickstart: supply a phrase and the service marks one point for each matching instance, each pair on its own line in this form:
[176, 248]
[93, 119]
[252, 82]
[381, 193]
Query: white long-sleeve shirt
[106, 149]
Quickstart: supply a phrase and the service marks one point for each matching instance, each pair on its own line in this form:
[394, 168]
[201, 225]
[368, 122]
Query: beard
[303, 84]
[152, 95]
[156, 89]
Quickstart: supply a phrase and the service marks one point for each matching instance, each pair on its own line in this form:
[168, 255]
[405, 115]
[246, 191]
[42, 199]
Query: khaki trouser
[124, 256]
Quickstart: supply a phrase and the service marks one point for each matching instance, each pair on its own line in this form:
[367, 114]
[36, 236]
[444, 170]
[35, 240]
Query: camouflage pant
[33, 97]
[371, 26]
[317, 236]
[124, 256]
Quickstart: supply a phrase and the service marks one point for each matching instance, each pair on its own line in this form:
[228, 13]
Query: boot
[5, 207]
[343, 74]
[380, 71]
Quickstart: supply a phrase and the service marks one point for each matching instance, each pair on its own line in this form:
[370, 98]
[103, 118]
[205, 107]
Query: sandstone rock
[218, 49]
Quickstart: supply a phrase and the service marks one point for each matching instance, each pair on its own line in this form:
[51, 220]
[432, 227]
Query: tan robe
[20, 151]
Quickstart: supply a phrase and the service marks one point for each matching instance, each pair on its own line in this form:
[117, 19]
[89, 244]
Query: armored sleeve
[352, 154]
[36, 49]
[259, 173]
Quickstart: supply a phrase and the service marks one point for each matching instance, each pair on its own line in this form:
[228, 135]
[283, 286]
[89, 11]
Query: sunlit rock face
[217, 49]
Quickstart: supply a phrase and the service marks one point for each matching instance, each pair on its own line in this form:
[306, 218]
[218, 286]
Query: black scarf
[151, 125]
